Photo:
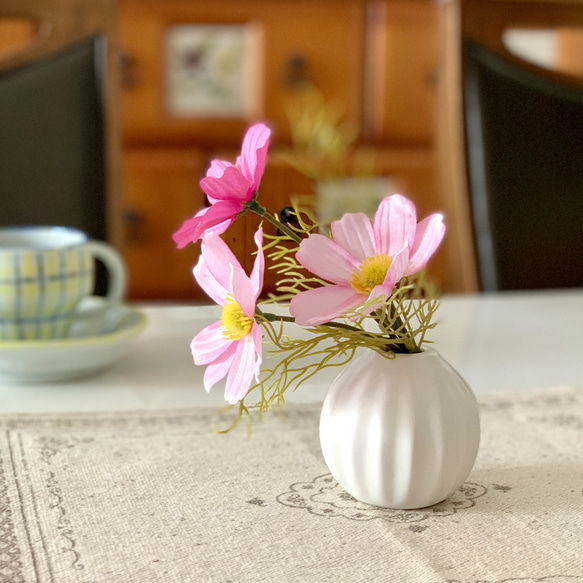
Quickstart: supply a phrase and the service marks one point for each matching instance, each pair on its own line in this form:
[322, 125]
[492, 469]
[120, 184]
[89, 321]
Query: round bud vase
[400, 432]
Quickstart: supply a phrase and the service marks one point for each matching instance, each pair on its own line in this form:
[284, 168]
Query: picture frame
[214, 70]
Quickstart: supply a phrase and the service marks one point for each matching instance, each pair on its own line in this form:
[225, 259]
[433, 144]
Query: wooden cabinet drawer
[327, 36]
[160, 190]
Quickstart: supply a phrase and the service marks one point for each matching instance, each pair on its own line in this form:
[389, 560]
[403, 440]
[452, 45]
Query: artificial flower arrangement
[354, 287]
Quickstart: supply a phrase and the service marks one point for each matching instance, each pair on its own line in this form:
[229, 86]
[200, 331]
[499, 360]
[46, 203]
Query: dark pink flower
[228, 187]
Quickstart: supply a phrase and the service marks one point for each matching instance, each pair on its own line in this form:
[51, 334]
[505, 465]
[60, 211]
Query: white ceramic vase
[400, 433]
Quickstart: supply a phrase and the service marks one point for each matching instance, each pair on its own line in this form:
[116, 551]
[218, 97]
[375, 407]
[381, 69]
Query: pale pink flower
[228, 187]
[231, 347]
[364, 260]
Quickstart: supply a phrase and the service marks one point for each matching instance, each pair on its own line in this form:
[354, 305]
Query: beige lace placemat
[160, 497]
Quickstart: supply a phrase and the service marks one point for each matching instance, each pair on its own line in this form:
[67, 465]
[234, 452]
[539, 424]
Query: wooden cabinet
[400, 72]
[374, 58]
[325, 36]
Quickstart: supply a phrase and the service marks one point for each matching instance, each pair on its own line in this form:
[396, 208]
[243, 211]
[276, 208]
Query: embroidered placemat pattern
[163, 497]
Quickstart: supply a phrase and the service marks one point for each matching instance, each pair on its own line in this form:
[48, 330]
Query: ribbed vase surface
[400, 433]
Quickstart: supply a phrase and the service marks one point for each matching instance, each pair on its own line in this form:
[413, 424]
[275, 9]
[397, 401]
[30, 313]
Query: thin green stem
[273, 317]
[339, 325]
[408, 342]
[255, 207]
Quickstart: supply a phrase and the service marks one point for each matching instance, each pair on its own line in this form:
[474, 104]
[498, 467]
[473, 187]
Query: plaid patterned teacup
[45, 273]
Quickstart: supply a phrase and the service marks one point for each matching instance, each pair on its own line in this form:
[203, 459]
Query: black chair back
[524, 136]
[52, 155]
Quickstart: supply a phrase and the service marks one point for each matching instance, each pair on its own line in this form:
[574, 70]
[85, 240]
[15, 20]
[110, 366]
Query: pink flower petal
[218, 369]
[394, 224]
[394, 274]
[218, 167]
[242, 370]
[430, 232]
[259, 265]
[354, 233]
[323, 304]
[326, 259]
[219, 259]
[258, 341]
[209, 344]
[189, 229]
[254, 154]
[216, 218]
[241, 361]
[208, 282]
[232, 185]
[243, 291]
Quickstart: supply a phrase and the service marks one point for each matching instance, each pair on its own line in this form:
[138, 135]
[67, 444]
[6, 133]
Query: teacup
[45, 274]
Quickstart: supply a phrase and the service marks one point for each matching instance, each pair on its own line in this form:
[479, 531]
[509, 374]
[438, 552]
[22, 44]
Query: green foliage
[324, 139]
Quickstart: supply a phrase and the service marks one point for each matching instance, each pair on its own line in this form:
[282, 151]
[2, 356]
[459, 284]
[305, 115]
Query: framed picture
[213, 70]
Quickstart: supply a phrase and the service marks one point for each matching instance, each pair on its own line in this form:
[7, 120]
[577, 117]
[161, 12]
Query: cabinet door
[400, 71]
[160, 190]
[288, 41]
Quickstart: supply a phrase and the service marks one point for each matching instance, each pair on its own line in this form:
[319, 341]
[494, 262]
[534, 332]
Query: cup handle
[115, 265]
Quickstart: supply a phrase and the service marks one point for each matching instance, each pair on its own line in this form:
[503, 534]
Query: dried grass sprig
[298, 360]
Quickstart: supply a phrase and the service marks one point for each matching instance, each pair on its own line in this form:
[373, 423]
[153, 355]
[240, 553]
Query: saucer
[72, 357]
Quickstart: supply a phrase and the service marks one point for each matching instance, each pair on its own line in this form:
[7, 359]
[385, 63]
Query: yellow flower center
[370, 273]
[235, 321]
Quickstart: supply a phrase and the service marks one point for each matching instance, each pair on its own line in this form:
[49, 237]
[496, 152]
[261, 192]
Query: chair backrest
[510, 150]
[60, 141]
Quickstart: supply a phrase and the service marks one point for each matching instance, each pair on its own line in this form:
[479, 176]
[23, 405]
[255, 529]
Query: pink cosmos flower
[228, 187]
[232, 346]
[364, 260]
